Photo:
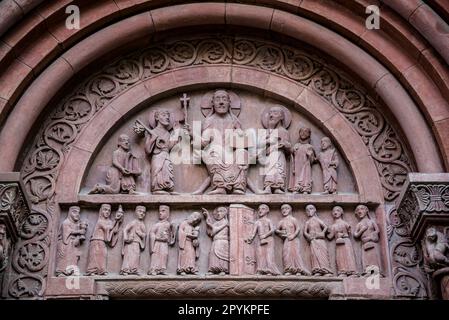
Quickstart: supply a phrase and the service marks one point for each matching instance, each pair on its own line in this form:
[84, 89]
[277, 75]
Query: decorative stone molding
[14, 209]
[226, 287]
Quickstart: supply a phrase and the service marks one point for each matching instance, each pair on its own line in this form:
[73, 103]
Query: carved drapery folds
[422, 224]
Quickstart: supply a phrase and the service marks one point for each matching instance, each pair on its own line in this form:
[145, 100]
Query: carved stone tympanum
[288, 229]
[134, 240]
[105, 234]
[71, 235]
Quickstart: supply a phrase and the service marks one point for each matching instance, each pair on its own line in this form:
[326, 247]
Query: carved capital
[424, 201]
[14, 205]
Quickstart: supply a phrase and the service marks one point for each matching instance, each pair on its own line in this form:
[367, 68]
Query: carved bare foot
[267, 190]
[222, 273]
[174, 193]
[217, 191]
[278, 191]
[287, 274]
[133, 192]
[160, 192]
[237, 191]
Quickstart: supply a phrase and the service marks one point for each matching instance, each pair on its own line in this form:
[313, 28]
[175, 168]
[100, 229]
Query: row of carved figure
[224, 176]
[164, 234]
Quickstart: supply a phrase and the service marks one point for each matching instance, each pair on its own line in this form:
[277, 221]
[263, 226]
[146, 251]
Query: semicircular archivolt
[43, 162]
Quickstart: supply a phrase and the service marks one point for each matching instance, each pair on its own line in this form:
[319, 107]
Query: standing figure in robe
[328, 160]
[265, 248]
[71, 235]
[134, 237]
[277, 143]
[288, 229]
[302, 158]
[189, 231]
[344, 252]
[105, 234]
[162, 235]
[314, 231]
[158, 143]
[367, 231]
[121, 176]
[218, 229]
[227, 168]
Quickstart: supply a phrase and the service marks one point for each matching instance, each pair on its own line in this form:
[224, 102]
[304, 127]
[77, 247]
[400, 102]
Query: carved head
[105, 210]
[74, 214]
[275, 116]
[140, 212]
[220, 213]
[162, 117]
[286, 209]
[337, 212]
[311, 210]
[221, 102]
[361, 211]
[263, 210]
[123, 141]
[431, 234]
[195, 218]
[304, 134]
[164, 212]
[325, 143]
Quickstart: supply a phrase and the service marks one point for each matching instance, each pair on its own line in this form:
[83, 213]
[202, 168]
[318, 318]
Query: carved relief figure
[134, 238]
[121, 176]
[162, 235]
[328, 160]
[344, 252]
[265, 248]
[218, 230]
[435, 250]
[4, 247]
[288, 229]
[277, 143]
[159, 141]
[302, 158]
[227, 169]
[188, 234]
[314, 231]
[105, 233]
[71, 235]
[368, 233]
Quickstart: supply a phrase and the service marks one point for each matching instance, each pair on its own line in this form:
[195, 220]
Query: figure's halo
[287, 116]
[207, 105]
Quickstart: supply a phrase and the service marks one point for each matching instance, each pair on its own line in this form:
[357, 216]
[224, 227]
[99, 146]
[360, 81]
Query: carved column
[14, 208]
[424, 207]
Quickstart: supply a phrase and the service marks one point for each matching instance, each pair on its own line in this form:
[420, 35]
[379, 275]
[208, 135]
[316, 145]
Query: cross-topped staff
[185, 104]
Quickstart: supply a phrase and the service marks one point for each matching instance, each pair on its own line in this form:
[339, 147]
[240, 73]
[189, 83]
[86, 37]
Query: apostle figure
[134, 236]
[162, 235]
[344, 252]
[188, 234]
[302, 158]
[368, 233]
[265, 248]
[314, 231]
[288, 229]
[159, 141]
[276, 143]
[121, 176]
[328, 160]
[227, 168]
[218, 229]
[71, 235]
[105, 233]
